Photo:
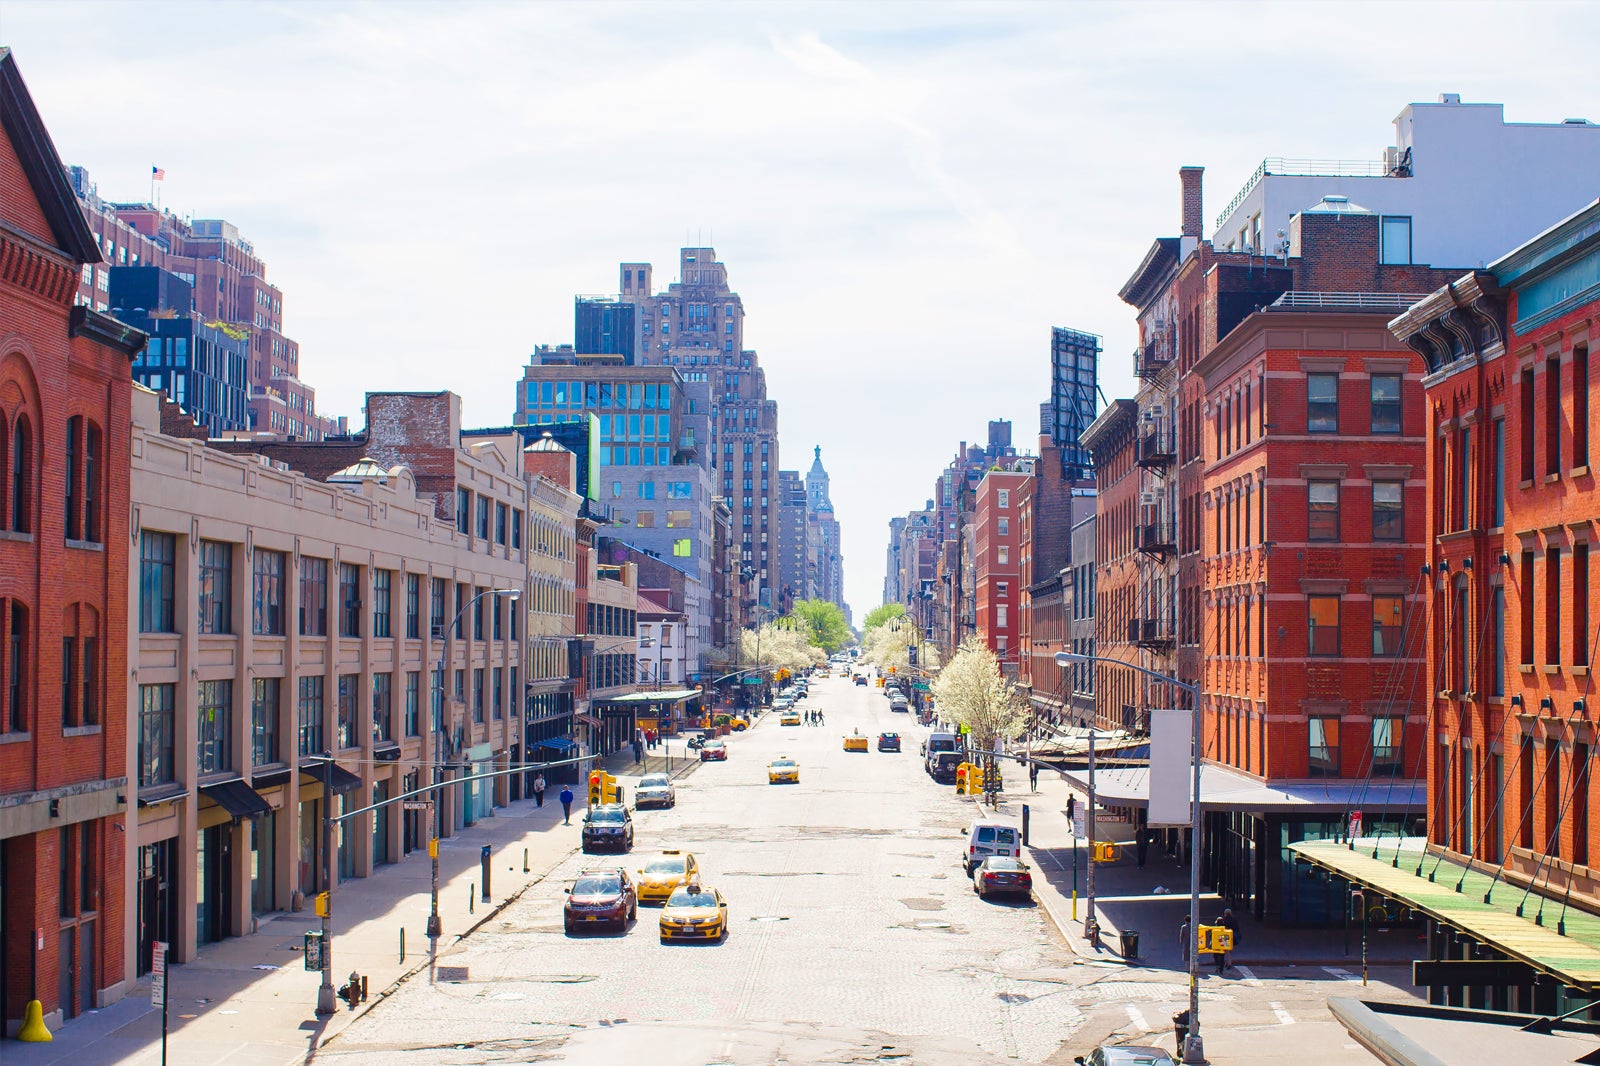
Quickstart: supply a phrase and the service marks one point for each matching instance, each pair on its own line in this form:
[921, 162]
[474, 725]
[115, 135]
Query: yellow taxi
[694, 912]
[783, 771]
[662, 875]
[789, 718]
[855, 742]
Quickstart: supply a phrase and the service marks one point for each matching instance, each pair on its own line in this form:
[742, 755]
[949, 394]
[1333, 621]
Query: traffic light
[1214, 940]
[597, 787]
[892, 669]
[911, 655]
[1104, 851]
[961, 779]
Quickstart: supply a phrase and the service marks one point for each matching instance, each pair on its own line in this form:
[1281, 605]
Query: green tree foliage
[881, 614]
[825, 622]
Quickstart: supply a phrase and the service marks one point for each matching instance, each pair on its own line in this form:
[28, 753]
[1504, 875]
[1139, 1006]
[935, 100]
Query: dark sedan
[601, 897]
[888, 741]
[1000, 876]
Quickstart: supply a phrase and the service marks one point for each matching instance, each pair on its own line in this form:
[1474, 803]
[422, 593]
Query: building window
[1525, 609]
[501, 511]
[1386, 403]
[349, 600]
[1497, 662]
[1000, 616]
[264, 720]
[1497, 472]
[1323, 618]
[216, 587]
[158, 553]
[477, 694]
[413, 606]
[1387, 750]
[436, 607]
[1580, 405]
[483, 518]
[1580, 605]
[1388, 510]
[157, 706]
[1552, 606]
[21, 476]
[267, 570]
[1003, 526]
[1387, 625]
[413, 703]
[1323, 520]
[496, 613]
[680, 548]
[212, 754]
[497, 693]
[382, 595]
[1003, 555]
[679, 519]
[349, 709]
[1322, 403]
[1002, 498]
[477, 613]
[383, 707]
[1395, 236]
[313, 597]
[1322, 753]
[74, 463]
[309, 715]
[1552, 415]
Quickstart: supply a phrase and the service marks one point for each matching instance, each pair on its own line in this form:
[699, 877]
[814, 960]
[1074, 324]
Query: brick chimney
[1193, 218]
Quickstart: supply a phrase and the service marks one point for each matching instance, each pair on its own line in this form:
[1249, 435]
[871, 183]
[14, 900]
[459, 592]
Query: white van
[991, 836]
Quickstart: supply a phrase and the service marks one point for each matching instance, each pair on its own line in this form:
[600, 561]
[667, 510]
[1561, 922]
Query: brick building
[65, 382]
[1119, 623]
[997, 593]
[1510, 514]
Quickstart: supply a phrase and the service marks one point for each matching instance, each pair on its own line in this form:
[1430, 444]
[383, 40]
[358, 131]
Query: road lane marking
[1136, 1016]
[1250, 977]
[1284, 1017]
[1340, 972]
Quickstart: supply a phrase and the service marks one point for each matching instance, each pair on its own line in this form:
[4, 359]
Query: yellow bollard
[33, 1030]
[1074, 904]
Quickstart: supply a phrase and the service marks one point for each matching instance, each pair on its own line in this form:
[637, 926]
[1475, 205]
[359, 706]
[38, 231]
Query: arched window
[21, 476]
[5, 471]
[93, 490]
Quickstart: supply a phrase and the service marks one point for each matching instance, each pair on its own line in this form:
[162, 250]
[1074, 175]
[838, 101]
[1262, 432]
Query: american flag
[157, 174]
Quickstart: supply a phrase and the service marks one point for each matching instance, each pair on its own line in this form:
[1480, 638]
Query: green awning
[1573, 958]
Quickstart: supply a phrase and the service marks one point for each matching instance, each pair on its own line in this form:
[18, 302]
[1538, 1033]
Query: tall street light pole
[1193, 1050]
[434, 926]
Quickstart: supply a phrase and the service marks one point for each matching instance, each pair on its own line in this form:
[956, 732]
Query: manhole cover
[452, 973]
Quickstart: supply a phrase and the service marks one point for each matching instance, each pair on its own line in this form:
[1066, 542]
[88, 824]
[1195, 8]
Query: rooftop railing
[1387, 302]
[1305, 168]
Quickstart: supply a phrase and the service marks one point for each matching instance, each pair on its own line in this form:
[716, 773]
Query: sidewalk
[1126, 899]
[248, 999]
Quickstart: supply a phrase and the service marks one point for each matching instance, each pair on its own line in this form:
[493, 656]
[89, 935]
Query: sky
[908, 196]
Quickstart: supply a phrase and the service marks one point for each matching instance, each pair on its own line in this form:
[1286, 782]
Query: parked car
[999, 876]
[713, 749]
[655, 790]
[600, 897]
[990, 836]
[608, 825]
[899, 703]
[936, 743]
[888, 741]
[944, 765]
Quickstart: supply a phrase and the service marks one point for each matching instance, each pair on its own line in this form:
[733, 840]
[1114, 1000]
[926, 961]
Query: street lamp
[434, 927]
[1193, 1050]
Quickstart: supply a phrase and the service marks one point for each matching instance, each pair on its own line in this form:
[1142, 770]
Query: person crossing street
[566, 805]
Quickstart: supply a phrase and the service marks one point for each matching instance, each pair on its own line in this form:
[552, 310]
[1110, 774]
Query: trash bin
[1130, 944]
[1180, 1028]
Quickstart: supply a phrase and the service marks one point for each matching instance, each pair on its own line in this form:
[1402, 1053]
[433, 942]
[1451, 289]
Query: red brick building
[997, 562]
[1119, 626]
[1511, 515]
[65, 386]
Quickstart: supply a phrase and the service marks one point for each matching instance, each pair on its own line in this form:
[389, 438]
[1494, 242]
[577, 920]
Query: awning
[1224, 789]
[587, 719]
[237, 798]
[667, 695]
[343, 780]
[558, 743]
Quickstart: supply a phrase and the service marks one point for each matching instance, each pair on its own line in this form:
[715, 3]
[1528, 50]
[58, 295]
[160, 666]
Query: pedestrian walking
[1072, 806]
[1185, 941]
[566, 805]
[1227, 922]
[538, 791]
[1033, 775]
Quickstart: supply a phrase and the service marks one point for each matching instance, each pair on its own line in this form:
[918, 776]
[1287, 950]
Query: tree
[887, 645]
[881, 614]
[825, 623]
[972, 692]
[776, 646]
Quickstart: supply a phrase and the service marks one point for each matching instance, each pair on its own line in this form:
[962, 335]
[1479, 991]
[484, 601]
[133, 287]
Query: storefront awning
[1225, 789]
[237, 798]
[588, 719]
[558, 743]
[1569, 951]
[667, 695]
[343, 780]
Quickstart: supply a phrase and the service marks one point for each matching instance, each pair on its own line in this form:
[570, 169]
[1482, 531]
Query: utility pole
[325, 992]
[1091, 927]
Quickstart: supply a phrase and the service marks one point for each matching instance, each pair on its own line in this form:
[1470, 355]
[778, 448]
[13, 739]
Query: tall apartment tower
[790, 581]
[697, 325]
[829, 558]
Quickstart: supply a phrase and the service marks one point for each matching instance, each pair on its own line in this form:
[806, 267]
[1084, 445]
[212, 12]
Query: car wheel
[569, 928]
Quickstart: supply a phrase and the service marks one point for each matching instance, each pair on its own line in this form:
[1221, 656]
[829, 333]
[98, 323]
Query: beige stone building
[276, 615]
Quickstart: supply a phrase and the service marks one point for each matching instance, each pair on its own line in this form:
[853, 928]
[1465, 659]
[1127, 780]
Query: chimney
[1193, 219]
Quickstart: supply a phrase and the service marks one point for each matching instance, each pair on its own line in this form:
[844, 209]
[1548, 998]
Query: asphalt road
[854, 938]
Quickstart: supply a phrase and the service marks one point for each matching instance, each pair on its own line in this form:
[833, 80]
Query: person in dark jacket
[1228, 923]
[566, 805]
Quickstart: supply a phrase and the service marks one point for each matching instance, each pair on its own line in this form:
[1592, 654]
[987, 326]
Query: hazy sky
[907, 195]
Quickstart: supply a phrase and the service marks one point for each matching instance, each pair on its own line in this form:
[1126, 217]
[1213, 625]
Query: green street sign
[920, 686]
[752, 681]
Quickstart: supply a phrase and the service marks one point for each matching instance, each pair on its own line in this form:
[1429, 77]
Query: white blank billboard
[1171, 768]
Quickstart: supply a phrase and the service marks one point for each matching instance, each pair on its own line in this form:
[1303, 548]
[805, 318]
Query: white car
[782, 703]
[655, 790]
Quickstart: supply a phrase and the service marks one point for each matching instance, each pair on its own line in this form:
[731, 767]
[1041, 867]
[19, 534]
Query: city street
[854, 937]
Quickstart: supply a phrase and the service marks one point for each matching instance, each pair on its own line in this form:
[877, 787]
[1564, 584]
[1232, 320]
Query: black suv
[608, 825]
[600, 897]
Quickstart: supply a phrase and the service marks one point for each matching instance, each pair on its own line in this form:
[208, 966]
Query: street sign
[752, 680]
[158, 974]
[920, 686]
[417, 805]
[1077, 822]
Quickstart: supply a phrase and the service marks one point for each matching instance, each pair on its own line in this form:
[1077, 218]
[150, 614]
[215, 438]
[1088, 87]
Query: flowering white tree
[779, 647]
[972, 692]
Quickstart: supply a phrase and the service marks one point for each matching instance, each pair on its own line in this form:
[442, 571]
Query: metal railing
[1387, 302]
[1305, 168]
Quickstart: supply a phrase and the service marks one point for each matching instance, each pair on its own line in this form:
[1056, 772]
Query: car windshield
[666, 866]
[596, 886]
[779, 764]
[714, 744]
[1135, 1057]
[654, 781]
[890, 736]
[685, 897]
[601, 815]
[1003, 864]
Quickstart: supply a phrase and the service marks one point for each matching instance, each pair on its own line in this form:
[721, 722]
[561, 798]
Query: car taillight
[988, 877]
[1024, 879]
